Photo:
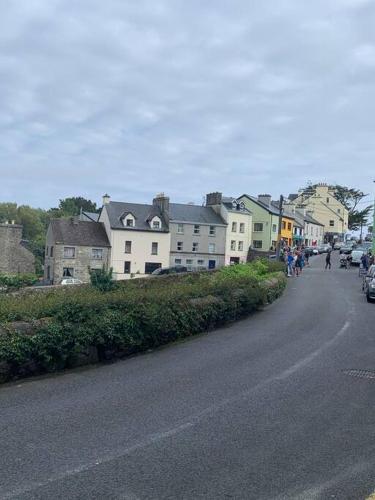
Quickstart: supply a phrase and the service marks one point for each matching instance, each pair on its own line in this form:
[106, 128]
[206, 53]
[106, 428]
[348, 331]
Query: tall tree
[73, 205]
[351, 198]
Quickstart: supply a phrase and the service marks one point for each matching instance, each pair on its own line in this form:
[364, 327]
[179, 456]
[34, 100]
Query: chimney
[162, 202]
[214, 199]
[106, 199]
[74, 220]
[265, 198]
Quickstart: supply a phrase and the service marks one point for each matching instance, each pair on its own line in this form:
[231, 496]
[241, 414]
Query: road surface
[262, 409]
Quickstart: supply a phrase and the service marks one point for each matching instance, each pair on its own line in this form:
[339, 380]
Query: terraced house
[265, 221]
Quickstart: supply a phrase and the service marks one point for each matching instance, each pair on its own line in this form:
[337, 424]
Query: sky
[183, 97]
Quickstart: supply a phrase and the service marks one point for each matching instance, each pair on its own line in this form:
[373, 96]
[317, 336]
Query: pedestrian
[307, 257]
[328, 260]
[290, 264]
[298, 263]
[365, 261]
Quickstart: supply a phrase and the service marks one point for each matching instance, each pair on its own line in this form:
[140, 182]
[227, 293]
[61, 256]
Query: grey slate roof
[194, 213]
[228, 204]
[141, 212]
[75, 232]
[311, 220]
[89, 216]
[270, 208]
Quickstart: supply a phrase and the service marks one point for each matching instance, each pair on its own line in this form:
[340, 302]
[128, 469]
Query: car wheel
[368, 298]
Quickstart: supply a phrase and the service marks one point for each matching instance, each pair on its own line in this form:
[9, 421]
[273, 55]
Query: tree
[73, 206]
[8, 212]
[351, 198]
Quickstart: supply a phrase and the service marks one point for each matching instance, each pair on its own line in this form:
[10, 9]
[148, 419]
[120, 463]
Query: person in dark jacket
[328, 260]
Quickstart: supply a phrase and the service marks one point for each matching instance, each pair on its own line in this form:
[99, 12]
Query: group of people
[295, 261]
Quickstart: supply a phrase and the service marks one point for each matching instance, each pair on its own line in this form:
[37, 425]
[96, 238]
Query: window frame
[258, 224]
[155, 245]
[257, 246]
[234, 227]
[128, 243]
[195, 247]
[211, 248]
[100, 250]
[197, 229]
[71, 256]
[129, 266]
[242, 227]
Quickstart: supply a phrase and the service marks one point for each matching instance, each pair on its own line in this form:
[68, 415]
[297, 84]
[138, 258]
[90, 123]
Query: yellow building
[287, 229]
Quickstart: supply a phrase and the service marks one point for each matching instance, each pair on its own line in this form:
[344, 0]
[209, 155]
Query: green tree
[8, 212]
[351, 198]
[72, 206]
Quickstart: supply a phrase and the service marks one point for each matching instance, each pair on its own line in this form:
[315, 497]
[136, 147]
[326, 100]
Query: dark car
[370, 292]
[309, 251]
[169, 270]
[346, 249]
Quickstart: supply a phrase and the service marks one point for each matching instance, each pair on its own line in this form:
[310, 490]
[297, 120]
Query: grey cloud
[184, 97]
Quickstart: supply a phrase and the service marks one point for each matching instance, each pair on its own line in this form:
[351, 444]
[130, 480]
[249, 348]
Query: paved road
[259, 410]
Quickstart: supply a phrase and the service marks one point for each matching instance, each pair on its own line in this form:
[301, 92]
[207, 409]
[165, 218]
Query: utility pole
[280, 226]
[373, 229]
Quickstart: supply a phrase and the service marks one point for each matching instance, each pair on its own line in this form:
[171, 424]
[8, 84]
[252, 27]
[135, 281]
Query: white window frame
[242, 227]
[234, 227]
[258, 224]
[180, 228]
[66, 256]
[181, 245]
[154, 245]
[195, 247]
[197, 229]
[211, 248]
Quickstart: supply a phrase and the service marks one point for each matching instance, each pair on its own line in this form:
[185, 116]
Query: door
[211, 264]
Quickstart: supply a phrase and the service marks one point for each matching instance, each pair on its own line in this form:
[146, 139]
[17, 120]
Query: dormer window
[129, 222]
[155, 223]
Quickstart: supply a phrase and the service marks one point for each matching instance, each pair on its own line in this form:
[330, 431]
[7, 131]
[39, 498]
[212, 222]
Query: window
[195, 247]
[200, 262]
[289, 226]
[178, 262]
[180, 246]
[331, 223]
[257, 244]
[47, 251]
[154, 248]
[327, 200]
[211, 248]
[242, 227]
[338, 211]
[284, 224]
[234, 227]
[128, 247]
[51, 252]
[68, 272]
[97, 253]
[233, 245]
[156, 224]
[129, 222]
[180, 228]
[240, 246]
[69, 252]
[127, 267]
[274, 228]
[189, 262]
[212, 230]
[258, 226]
[150, 267]
[197, 229]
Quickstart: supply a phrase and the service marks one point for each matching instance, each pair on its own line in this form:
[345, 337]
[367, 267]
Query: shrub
[16, 281]
[102, 279]
[135, 316]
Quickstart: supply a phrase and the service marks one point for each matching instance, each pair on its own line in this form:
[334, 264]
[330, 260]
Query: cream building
[239, 226]
[320, 203]
[139, 236]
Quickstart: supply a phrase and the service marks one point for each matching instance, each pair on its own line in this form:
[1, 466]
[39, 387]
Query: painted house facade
[73, 247]
[265, 221]
[322, 205]
[139, 236]
[197, 236]
[238, 220]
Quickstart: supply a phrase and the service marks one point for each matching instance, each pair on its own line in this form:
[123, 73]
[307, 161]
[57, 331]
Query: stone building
[73, 247]
[14, 256]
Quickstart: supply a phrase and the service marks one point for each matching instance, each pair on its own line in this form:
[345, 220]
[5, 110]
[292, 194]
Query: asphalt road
[262, 409]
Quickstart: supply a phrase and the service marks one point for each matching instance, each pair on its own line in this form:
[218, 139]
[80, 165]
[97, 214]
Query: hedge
[16, 281]
[70, 327]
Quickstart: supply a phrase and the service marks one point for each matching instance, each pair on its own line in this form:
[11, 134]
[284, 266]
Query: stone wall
[80, 264]
[14, 257]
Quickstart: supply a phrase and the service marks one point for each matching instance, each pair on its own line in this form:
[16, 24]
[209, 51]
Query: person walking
[328, 260]
[290, 264]
[298, 264]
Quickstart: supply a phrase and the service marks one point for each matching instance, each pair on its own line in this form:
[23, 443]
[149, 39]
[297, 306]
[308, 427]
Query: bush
[102, 279]
[135, 316]
[16, 281]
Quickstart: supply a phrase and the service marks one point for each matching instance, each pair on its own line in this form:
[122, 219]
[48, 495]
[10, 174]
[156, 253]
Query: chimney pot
[106, 199]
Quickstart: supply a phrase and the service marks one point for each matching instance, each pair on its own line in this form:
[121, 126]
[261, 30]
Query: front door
[211, 264]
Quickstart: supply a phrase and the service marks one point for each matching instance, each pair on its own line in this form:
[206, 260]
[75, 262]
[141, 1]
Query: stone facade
[57, 266]
[14, 256]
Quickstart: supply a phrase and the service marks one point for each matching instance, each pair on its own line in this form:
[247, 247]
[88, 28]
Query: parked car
[324, 248]
[357, 255]
[346, 249]
[370, 292]
[369, 277]
[71, 281]
[338, 245]
[169, 270]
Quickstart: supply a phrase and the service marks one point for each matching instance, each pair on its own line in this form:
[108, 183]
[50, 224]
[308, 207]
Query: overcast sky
[184, 96]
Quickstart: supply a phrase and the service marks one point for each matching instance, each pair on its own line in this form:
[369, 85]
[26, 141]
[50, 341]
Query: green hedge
[16, 281]
[138, 315]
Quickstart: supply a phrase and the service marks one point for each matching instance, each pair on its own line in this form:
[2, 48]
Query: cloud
[135, 98]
